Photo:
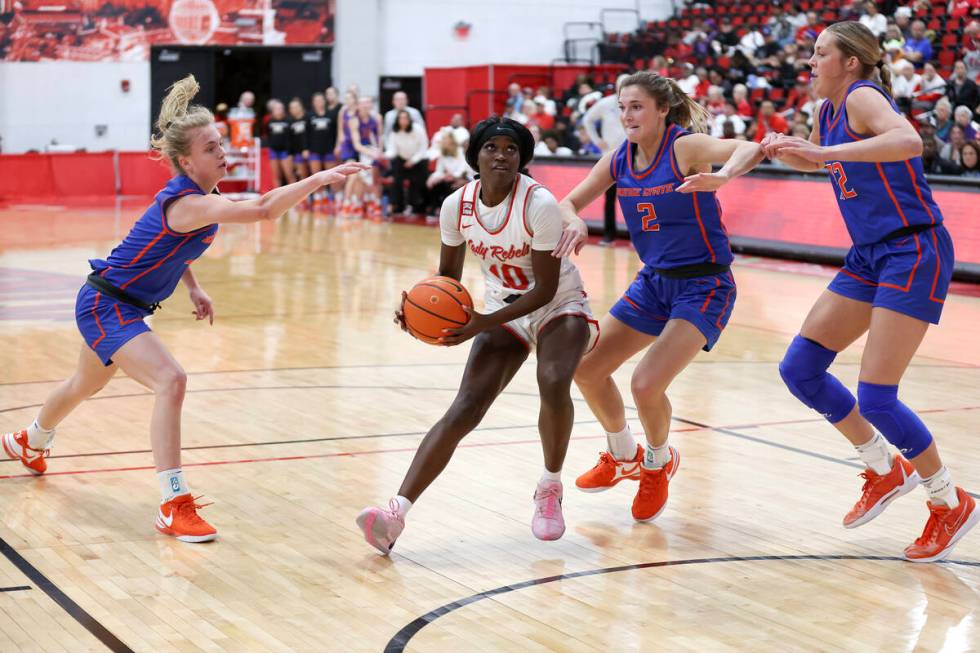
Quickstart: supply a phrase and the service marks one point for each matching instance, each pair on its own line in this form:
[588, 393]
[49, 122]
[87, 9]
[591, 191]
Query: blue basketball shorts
[908, 274]
[277, 155]
[105, 324]
[322, 158]
[652, 300]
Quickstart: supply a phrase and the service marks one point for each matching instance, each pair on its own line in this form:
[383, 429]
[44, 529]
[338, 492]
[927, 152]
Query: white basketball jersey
[503, 244]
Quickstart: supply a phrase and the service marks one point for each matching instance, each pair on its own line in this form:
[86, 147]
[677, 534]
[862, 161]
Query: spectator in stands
[715, 102]
[963, 117]
[688, 79]
[904, 84]
[781, 27]
[246, 104]
[796, 18]
[659, 65]
[549, 145]
[515, 98]
[451, 173]
[701, 90]
[811, 30]
[715, 78]
[740, 98]
[456, 129]
[545, 102]
[951, 150]
[603, 124]
[918, 48]
[727, 37]
[932, 163]
[770, 46]
[972, 56]
[960, 89]
[585, 145]
[873, 20]
[400, 103]
[800, 130]
[769, 121]
[970, 159]
[903, 20]
[406, 147]
[932, 87]
[726, 118]
[942, 118]
[894, 43]
[751, 42]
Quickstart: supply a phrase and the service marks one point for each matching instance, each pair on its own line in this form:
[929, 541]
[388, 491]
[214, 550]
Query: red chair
[949, 41]
[757, 95]
[947, 58]
[777, 95]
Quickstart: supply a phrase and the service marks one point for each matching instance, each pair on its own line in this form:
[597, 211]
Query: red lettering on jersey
[498, 252]
[207, 240]
[466, 209]
[628, 192]
[649, 217]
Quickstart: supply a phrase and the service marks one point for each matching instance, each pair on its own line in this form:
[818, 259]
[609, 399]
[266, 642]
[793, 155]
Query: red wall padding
[141, 175]
[799, 211]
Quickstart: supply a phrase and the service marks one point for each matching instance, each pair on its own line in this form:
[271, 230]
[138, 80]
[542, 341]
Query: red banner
[100, 30]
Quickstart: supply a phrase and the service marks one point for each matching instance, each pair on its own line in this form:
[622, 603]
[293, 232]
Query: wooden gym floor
[305, 404]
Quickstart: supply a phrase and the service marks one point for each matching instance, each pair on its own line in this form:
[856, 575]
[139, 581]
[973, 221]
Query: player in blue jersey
[141, 272]
[683, 296]
[892, 285]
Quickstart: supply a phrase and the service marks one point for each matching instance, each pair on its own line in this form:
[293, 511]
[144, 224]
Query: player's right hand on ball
[400, 313]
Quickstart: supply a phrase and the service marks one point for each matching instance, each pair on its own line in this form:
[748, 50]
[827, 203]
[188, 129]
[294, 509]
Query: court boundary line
[15, 588]
[400, 640]
[75, 611]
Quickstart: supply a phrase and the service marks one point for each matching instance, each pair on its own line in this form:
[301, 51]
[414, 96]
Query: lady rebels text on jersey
[503, 237]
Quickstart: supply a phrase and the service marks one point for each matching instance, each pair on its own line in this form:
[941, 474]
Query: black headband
[492, 127]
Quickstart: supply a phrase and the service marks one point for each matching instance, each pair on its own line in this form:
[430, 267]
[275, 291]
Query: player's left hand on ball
[478, 322]
[203, 306]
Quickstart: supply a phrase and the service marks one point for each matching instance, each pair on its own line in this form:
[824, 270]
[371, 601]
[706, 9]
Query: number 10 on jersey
[512, 277]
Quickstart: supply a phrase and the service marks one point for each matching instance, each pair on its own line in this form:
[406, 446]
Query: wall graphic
[124, 30]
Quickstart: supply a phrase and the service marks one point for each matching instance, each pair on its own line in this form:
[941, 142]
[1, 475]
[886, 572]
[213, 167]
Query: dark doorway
[170, 64]
[243, 69]
[391, 85]
[224, 72]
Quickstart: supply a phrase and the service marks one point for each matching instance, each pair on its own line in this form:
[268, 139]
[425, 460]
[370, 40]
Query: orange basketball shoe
[609, 471]
[944, 529]
[879, 490]
[178, 517]
[16, 447]
[651, 497]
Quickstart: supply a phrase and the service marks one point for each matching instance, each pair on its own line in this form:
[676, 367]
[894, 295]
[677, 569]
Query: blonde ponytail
[855, 40]
[178, 117]
[683, 110]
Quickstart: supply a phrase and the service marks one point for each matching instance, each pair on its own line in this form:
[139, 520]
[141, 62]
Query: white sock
[941, 489]
[404, 505]
[656, 457]
[550, 476]
[172, 484]
[874, 453]
[622, 445]
[39, 437]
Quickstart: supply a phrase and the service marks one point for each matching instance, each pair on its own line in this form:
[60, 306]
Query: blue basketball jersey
[875, 199]
[150, 260]
[667, 228]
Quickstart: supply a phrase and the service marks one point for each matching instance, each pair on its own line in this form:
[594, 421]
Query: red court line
[341, 454]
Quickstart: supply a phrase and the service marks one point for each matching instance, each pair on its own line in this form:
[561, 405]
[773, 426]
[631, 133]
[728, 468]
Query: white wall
[416, 34]
[65, 101]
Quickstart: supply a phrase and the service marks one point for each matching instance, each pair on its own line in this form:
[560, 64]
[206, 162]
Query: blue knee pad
[804, 371]
[879, 405]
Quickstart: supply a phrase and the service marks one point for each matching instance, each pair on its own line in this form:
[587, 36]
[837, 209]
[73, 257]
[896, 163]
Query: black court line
[17, 588]
[402, 637]
[87, 621]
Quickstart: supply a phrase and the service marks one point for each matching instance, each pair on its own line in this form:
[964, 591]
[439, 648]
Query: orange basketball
[435, 304]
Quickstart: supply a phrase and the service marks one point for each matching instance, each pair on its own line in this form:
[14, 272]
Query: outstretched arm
[700, 152]
[196, 211]
[587, 191]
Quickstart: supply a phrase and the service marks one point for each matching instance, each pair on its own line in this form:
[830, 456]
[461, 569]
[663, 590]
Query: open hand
[572, 239]
[703, 182]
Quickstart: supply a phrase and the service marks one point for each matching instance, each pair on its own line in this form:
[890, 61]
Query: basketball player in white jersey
[533, 301]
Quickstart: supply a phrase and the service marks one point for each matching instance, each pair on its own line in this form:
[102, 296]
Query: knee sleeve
[879, 405]
[804, 371]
